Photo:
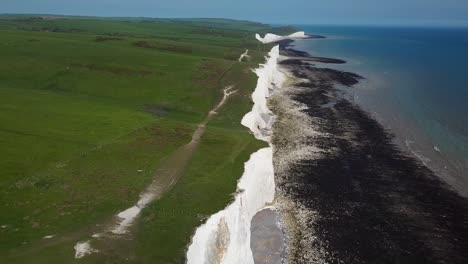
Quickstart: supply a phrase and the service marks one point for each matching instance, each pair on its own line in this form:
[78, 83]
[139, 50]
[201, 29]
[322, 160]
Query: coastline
[398, 209]
[343, 191]
[429, 141]
[225, 236]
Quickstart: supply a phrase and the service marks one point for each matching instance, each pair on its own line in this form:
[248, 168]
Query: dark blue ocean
[416, 85]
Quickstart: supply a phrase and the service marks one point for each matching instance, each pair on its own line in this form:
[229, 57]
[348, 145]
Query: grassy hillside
[90, 107]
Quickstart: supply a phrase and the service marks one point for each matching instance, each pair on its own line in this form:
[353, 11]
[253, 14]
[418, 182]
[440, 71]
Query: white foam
[83, 249]
[418, 154]
[269, 38]
[225, 237]
[48, 237]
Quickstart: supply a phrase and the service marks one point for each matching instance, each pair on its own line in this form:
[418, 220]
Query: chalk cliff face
[270, 38]
[225, 237]
[260, 119]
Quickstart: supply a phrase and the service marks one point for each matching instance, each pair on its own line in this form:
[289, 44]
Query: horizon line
[337, 22]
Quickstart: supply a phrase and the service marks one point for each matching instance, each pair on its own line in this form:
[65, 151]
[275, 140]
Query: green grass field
[89, 108]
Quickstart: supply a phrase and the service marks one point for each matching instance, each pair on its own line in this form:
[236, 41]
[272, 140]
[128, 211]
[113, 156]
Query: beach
[339, 187]
[413, 83]
[350, 194]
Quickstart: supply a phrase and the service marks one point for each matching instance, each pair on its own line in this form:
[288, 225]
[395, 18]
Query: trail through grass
[91, 108]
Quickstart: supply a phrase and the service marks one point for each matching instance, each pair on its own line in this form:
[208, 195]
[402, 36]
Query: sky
[272, 11]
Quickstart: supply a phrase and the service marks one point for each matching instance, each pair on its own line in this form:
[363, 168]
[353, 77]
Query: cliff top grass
[88, 109]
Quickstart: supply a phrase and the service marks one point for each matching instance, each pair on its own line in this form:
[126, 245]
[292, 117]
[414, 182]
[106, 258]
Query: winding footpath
[244, 55]
[166, 177]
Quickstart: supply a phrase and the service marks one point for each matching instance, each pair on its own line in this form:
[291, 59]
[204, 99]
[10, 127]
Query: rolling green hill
[89, 108]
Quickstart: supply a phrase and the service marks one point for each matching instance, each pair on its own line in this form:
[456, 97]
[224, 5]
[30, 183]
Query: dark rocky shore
[350, 194]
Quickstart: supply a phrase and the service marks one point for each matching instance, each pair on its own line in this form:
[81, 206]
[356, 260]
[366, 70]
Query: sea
[415, 84]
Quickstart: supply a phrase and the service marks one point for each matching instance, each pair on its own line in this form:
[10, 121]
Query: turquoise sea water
[416, 85]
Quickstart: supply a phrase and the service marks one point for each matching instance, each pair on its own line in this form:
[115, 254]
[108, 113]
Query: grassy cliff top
[91, 107]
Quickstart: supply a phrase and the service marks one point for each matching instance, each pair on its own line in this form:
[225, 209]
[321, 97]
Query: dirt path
[244, 55]
[166, 176]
